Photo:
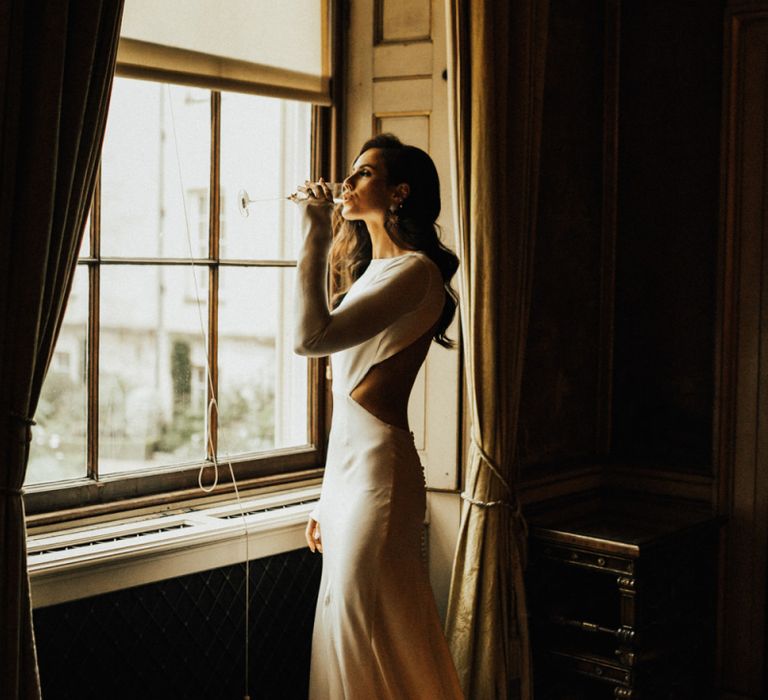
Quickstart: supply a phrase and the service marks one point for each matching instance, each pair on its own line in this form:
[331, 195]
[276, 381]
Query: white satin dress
[377, 633]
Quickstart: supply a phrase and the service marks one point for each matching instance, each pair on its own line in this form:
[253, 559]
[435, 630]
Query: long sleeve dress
[377, 633]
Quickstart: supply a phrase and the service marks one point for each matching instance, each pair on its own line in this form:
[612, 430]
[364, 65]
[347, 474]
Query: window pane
[58, 440]
[262, 383]
[150, 199]
[85, 245]
[152, 368]
[265, 149]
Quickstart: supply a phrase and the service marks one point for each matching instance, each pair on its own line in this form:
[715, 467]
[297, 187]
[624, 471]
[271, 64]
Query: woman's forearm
[312, 314]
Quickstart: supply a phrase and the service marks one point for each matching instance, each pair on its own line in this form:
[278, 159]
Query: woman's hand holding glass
[317, 193]
[317, 200]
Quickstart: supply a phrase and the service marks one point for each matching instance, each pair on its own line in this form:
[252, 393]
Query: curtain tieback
[19, 423]
[516, 508]
[4, 491]
[490, 463]
[489, 504]
[22, 423]
[486, 459]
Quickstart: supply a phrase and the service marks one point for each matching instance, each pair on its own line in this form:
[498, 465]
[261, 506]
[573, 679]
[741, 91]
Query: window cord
[213, 408]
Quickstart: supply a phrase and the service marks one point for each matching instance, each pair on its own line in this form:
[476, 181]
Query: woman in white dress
[377, 633]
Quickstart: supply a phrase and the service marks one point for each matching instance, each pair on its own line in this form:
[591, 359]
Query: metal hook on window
[242, 202]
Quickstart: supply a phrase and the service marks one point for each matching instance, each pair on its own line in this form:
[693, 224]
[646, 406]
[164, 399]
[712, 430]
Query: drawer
[592, 667]
[585, 558]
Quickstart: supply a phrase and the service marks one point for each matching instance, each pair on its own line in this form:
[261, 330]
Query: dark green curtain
[496, 69]
[56, 67]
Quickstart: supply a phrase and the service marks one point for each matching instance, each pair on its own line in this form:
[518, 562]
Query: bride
[377, 633]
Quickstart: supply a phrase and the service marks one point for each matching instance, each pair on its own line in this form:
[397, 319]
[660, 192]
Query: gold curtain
[56, 72]
[496, 55]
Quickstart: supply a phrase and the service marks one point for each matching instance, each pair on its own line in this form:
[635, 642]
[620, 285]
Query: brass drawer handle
[601, 561]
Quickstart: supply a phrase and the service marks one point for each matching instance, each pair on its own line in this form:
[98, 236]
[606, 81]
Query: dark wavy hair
[415, 227]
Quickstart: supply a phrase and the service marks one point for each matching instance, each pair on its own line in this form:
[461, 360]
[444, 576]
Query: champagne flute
[244, 201]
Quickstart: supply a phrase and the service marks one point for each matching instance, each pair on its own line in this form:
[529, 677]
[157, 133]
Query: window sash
[95, 493]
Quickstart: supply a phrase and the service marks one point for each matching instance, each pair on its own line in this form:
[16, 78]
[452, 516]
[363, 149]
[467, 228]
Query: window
[176, 299]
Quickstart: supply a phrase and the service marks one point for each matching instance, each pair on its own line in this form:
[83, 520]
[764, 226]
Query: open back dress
[377, 633]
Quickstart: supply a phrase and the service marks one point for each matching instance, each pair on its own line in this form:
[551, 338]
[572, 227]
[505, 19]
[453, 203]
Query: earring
[393, 219]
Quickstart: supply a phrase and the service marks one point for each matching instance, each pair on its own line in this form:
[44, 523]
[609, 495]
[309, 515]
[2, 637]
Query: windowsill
[71, 500]
[85, 561]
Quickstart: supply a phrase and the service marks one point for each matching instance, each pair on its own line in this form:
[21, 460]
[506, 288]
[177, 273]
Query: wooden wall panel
[398, 21]
[743, 409]
[403, 60]
[409, 128]
[560, 400]
[414, 94]
[620, 367]
[666, 245]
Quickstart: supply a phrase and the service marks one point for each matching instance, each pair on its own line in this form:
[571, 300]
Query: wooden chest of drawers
[622, 600]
